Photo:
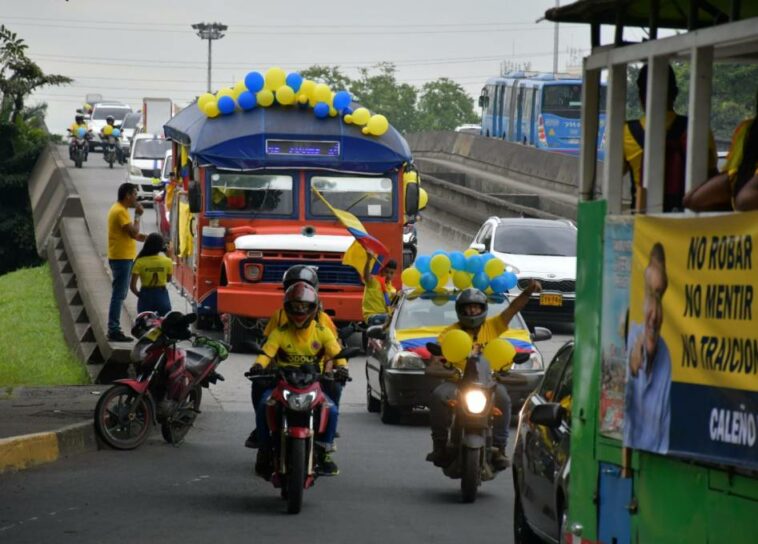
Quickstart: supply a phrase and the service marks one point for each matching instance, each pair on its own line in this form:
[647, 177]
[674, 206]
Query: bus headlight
[253, 272]
[476, 401]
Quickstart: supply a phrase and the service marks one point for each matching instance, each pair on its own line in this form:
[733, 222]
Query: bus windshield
[270, 194]
[364, 197]
[565, 100]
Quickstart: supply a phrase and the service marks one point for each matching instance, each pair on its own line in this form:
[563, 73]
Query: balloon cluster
[457, 344]
[81, 132]
[469, 269]
[116, 133]
[276, 86]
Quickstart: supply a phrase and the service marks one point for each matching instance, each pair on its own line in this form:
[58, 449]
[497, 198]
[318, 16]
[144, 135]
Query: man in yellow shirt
[378, 291]
[471, 308]
[301, 341]
[123, 234]
[74, 130]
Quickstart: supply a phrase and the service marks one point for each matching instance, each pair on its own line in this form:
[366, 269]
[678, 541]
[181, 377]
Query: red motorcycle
[296, 403]
[168, 386]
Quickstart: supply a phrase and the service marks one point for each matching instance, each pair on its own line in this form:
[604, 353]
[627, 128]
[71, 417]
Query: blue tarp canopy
[239, 141]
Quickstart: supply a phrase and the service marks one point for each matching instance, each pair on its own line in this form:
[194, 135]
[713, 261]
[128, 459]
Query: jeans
[121, 270]
[441, 416]
[153, 299]
[264, 433]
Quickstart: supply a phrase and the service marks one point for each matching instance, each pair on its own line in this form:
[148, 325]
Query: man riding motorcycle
[293, 275]
[471, 309]
[109, 122]
[74, 130]
[300, 341]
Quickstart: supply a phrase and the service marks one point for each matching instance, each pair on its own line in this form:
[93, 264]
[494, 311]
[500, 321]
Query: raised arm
[520, 301]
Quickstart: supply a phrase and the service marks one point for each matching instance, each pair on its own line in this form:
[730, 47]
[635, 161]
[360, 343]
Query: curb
[28, 450]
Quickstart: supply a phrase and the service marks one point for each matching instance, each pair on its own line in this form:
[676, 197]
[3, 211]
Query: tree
[444, 105]
[382, 93]
[331, 75]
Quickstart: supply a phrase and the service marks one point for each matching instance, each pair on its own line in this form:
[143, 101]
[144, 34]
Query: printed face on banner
[692, 347]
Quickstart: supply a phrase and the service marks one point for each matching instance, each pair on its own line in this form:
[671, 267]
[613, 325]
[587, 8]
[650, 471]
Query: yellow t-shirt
[280, 318]
[74, 127]
[491, 329]
[734, 158]
[120, 244]
[373, 298]
[296, 347]
[153, 271]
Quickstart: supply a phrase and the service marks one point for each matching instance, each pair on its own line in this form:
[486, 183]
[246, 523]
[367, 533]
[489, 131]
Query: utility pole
[210, 32]
[555, 42]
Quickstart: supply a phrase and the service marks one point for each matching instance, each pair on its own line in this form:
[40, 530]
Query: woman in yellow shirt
[153, 269]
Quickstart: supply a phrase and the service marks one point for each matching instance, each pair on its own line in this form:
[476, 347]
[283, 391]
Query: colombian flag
[356, 255]
[415, 339]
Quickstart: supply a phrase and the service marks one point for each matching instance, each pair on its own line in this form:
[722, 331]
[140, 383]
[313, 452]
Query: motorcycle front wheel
[296, 460]
[123, 418]
[176, 430]
[470, 473]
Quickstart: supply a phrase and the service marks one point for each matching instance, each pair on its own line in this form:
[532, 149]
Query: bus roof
[279, 137]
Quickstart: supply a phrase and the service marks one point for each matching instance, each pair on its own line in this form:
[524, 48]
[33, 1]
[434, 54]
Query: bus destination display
[303, 148]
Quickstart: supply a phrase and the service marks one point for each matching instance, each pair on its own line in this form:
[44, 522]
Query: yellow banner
[693, 297]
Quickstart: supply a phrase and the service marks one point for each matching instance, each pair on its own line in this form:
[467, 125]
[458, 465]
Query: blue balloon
[429, 281]
[321, 110]
[481, 281]
[458, 260]
[116, 132]
[294, 80]
[474, 264]
[422, 263]
[342, 100]
[254, 81]
[81, 132]
[499, 284]
[347, 111]
[440, 252]
[226, 105]
[510, 278]
[246, 100]
[487, 257]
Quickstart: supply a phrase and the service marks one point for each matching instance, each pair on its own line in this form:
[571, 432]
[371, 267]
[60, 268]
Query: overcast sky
[126, 50]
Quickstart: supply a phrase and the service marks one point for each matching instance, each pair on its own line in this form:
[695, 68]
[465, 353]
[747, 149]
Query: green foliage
[331, 75]
[444, 105]
[380, 92]
[34, 349]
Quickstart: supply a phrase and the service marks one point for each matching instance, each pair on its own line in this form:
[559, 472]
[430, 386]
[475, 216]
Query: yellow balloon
[332, 112]
[378, 125]
[461, 279]
[411, 277]
[322, 93]
[204, 99]
[211, 109]
[302, 99]
[456, 345]
[107, 130]
[348, 119]
[494, 267]
[423, 199]
[470, 252]
[285, 95]
[274, 78]
[410, 177]
[364, 130]
[264, 97]
[442, 282]
[440, 265]
[306, 90]
[361, 116]
[226, 91]
[238, 89]
[499, 353]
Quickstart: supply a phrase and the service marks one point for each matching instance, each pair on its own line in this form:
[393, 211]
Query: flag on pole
[357, 254]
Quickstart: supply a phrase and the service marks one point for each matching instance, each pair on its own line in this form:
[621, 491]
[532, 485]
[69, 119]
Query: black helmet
[465, 298]
[79, 119]
[300, 272]
[176, 325]
[109, 119]
[301, 304]
[144, 322]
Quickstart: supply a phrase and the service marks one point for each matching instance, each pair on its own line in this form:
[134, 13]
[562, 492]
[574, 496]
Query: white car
[469, 129]
[543, 249]
[146, 162]
[100, 112]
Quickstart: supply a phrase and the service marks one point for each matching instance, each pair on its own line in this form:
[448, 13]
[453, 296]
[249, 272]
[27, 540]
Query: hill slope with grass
[33, 350]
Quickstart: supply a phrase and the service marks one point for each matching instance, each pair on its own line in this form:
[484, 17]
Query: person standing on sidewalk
[123, 234]
[153, 268]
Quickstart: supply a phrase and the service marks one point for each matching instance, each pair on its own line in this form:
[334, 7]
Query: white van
[146, 162]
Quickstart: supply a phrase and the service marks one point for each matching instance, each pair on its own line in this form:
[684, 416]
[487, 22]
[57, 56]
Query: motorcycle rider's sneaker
[119, 336]
[252, 440]
[264, 465]
[439, 455]
[500, 460]
[326, 465]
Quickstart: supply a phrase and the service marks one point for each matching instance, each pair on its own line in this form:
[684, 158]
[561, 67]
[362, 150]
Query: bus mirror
[195, 198]
[411, 198]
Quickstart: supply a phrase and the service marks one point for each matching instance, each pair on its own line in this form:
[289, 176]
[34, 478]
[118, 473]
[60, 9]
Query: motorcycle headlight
[133, 170]
[476, 401]
[406, 360]
[299, 402]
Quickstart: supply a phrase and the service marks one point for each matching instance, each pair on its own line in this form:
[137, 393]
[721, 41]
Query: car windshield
[272, 194]
[151, 149]
[439, 311]
[117, 113]
[168, 165]
[556, 241]
[565, 100]
[130, 121]
[364, 197]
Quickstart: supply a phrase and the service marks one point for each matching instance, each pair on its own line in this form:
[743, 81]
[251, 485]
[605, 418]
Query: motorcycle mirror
[376, 332]
[540, 334]
[375, 320]
[347, 353]
[434, 348]
[549, 414]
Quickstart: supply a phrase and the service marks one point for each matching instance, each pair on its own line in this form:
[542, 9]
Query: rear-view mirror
[411, 198]
[194, 197]
[376, 332]
[481, 248]
[541, 334]
[550, 414]
[375, 320]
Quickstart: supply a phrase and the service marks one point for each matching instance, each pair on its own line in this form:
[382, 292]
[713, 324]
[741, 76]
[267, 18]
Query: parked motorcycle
[168, 387]
[79, 146]
[410, 244]
[296, 403]
[470, 445]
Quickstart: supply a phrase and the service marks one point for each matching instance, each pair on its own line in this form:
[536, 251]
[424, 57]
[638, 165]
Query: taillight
[541, 130]
[253, 272]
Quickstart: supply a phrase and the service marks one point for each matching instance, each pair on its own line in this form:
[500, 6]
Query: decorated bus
[280, 171]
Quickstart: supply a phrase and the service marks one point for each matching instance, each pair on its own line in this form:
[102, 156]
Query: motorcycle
[79, 146]
[410, 244]
[168, 388]
[296, 403]
[470, 445]
[111, 152]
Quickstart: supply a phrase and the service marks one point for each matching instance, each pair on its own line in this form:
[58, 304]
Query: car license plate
[551, 299]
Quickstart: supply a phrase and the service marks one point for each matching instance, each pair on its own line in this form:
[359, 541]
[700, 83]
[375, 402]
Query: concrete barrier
[52, 196]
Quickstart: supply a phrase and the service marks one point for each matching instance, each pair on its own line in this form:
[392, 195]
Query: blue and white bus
[538, 110]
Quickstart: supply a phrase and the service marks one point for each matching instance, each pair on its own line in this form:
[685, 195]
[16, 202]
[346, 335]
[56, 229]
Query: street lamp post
[210, 32]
